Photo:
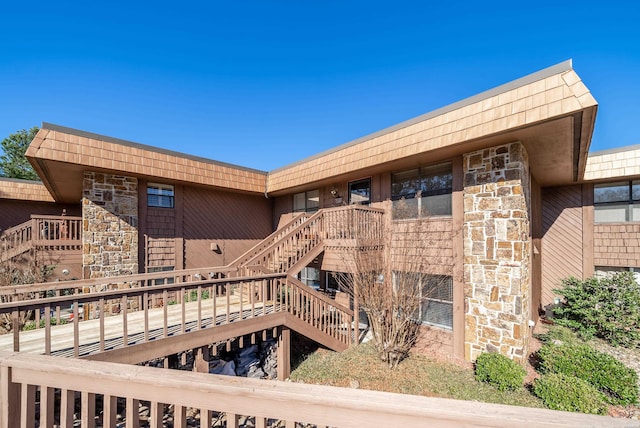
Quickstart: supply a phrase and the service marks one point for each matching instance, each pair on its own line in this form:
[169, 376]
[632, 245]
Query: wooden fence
[37, 390]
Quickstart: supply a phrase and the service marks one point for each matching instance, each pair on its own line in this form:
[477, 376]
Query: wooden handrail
[269, 240]
[144, 309]
[41, 231]
[25, 377]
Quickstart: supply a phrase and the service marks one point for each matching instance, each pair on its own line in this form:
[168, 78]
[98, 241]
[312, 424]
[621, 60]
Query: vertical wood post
[109, 411]
[28, 406]
[201, 362]
[156, 412]
[47, 400]
[284, 353]
[133, 413]
[88, 409]
[67, 406]
[10, 396]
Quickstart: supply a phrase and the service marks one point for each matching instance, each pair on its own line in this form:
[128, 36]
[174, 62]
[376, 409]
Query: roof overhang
[60, 156]
[551, 112]
[24, 190]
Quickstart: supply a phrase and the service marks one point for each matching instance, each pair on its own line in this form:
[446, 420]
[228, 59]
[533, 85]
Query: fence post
[284, 353]
[10, 395]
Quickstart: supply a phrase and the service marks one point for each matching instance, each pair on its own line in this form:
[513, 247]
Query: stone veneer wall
[497, 248]
[109, 225]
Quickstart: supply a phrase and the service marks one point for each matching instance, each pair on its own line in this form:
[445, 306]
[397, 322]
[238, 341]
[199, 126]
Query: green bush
[617, 382]
[500, 371]
[605, 307]
[31, 325]
[570, 394]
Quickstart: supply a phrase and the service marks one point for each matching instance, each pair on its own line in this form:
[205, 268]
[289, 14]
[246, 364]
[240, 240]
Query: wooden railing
[156, 306]
[42, 231]
[269, 241]
[290, 244]
[38, 390]
[354, 222]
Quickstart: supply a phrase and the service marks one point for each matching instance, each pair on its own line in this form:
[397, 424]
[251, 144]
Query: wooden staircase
[262, 278]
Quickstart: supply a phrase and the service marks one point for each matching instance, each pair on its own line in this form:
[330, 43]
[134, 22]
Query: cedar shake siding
[616, 244]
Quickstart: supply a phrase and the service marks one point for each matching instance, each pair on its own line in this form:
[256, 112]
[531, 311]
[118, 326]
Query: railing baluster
[180, 417]
[47, 329]
[156, 412]
[109, 411]
[253, 298]
[133, 413]
[67, 407]
[27, 412]
[145, 308]
[76, 329]
[183, 310]
[88, 410]
[15, 326]
[199, 297]
[214, 303]
[165, 305]
[123, 310]
[47, 401]
[227, 293]
[101, 316]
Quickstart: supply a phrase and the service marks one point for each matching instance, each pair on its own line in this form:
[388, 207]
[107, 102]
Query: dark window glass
[422, 192]
[160, 195]
[360, 192]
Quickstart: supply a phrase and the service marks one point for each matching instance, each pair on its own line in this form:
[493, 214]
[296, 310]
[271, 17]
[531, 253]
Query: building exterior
[508, 200]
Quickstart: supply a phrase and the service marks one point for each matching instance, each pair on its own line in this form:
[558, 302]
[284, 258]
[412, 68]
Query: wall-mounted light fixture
[336, 196]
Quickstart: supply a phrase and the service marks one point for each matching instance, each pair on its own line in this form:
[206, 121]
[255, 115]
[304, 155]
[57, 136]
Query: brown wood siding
[617, 244]
[282, 209]
[434, 340]
[232, 222]
[13, 212]
[434, 243]
[536, 257]
[562, 249]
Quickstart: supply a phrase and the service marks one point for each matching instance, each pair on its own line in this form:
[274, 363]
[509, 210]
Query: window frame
[160, 196]
[417, 193]
[308, 196]
[352, 184]
[425, 278]
[627, 204]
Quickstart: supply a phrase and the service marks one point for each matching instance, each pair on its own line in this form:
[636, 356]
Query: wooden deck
[62, 336]
[156, 326]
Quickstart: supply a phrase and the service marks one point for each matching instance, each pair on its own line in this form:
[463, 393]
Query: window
[160, 195]
[360, 192]
[310, 276]
[422, 192]
[606, 271]
[436, 305]
[165, 280]
[306, 201]
[617, 202]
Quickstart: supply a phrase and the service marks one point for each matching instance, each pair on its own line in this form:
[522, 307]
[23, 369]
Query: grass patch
[417, 375]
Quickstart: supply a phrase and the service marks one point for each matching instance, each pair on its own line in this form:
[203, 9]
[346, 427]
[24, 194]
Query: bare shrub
[387, 281]
[18, 272]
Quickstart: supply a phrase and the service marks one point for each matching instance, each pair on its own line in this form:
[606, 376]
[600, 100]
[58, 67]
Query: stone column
[497, 251]
[109, 225]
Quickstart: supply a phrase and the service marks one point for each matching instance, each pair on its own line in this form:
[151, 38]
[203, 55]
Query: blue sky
[265, 83]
